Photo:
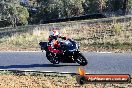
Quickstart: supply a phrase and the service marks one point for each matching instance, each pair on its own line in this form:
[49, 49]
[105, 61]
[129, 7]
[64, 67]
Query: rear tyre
[81, 60]
[52, 58]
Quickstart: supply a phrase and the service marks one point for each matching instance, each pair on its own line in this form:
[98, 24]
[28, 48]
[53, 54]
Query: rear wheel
[52, 58]
[81, 60]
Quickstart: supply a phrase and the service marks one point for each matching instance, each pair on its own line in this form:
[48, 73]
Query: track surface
[102, 63]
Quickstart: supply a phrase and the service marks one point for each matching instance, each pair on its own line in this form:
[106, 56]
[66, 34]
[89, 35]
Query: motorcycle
[69, 53]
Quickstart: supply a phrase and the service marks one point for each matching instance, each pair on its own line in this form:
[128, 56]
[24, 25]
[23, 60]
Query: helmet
[56, 32]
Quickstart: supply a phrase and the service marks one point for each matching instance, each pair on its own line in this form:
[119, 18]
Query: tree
[71, 8]
[77, 8]
[47, 10]
[56, 9]
[14, 13]
[22, 14]
[93, 6]
[125, 7]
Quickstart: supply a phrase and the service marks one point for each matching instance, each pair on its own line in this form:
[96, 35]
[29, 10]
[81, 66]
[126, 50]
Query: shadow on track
[33, 65]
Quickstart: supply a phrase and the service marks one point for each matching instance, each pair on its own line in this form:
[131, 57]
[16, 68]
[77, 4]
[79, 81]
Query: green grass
[4, 72]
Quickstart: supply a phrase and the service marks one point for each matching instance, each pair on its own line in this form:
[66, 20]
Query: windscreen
[70, 45]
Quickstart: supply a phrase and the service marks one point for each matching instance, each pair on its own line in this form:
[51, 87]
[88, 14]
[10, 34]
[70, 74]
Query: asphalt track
[98, 63]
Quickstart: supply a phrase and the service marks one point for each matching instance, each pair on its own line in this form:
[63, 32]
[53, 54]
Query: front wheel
[52, 58]
[81, 60]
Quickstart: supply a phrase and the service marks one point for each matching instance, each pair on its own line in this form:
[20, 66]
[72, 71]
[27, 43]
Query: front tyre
[81, 60]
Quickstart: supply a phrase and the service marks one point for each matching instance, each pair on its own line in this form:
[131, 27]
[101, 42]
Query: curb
[21, 71]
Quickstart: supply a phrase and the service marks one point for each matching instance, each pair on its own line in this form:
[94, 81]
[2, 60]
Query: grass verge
[96, 36]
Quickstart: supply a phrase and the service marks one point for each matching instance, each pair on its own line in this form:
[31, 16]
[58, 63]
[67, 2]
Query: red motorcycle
[68, 52]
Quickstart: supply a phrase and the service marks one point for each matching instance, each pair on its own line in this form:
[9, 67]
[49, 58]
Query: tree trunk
[125, 3]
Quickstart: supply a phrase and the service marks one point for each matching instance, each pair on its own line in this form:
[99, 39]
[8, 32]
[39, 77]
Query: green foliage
[6, 72]
[94, 6]
[22, 14]
[57, 9]
[14, 13]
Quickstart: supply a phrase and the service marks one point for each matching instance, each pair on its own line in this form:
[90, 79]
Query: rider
[55, 34]
[53, 39]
